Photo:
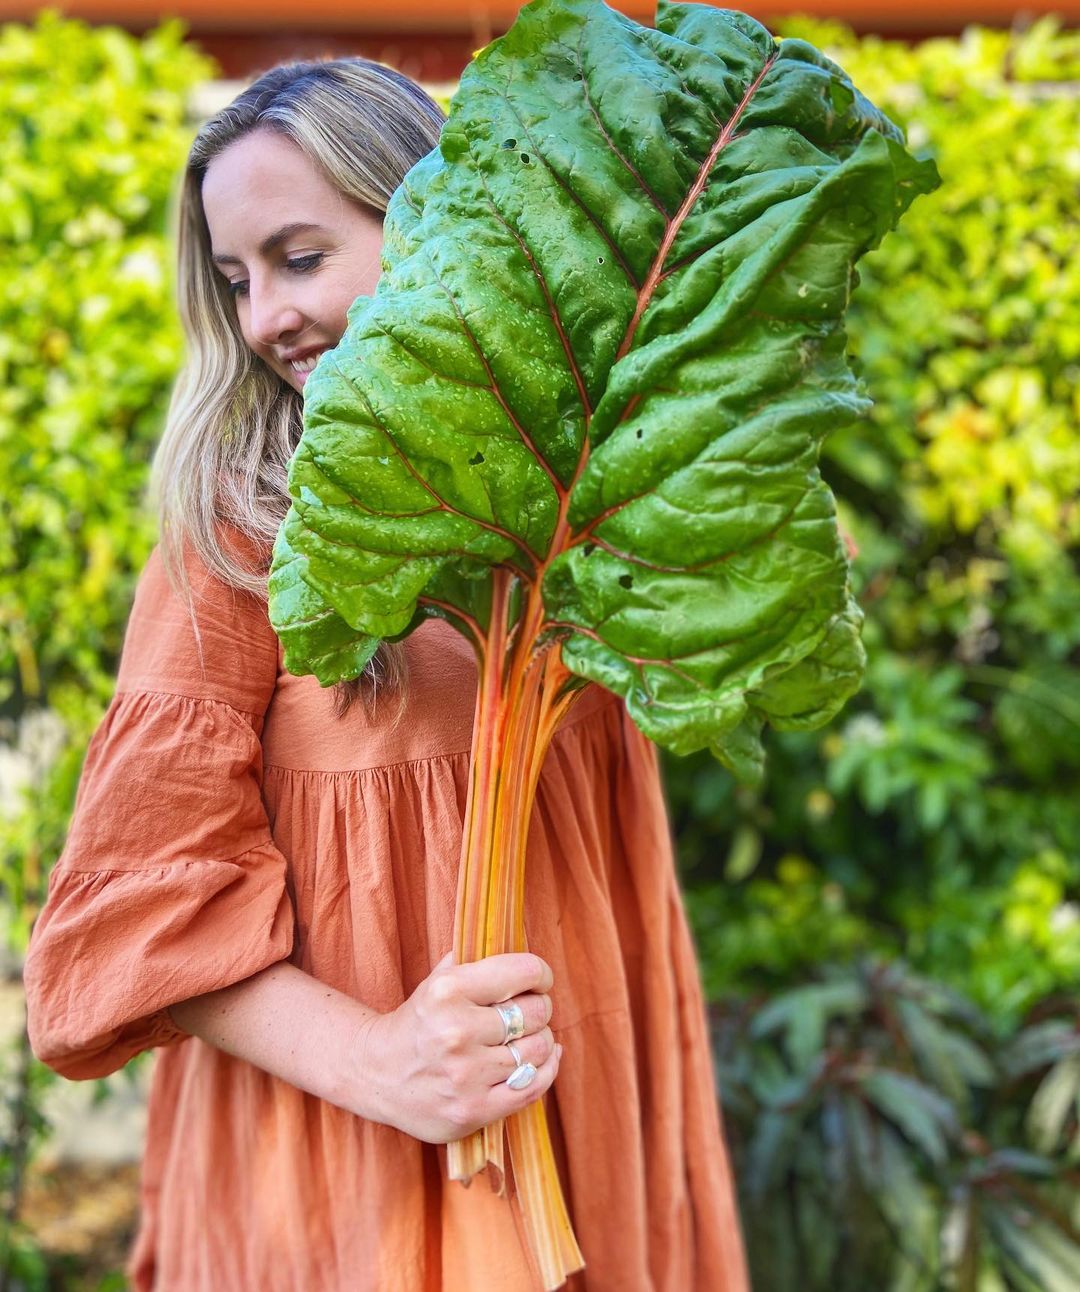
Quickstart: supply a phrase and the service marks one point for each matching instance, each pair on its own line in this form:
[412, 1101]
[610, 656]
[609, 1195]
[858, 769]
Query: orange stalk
[519, 706]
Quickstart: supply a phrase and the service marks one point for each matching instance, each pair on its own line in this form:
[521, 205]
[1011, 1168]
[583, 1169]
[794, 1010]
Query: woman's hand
[436, 1067]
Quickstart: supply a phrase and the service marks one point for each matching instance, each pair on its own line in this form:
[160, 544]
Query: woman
[259, 876]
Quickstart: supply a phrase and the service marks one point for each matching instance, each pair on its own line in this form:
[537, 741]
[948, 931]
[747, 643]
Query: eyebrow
[268, 244]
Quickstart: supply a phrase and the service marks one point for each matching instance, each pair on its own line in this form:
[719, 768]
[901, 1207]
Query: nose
[272, 315]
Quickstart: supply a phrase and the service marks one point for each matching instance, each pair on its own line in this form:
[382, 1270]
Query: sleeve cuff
[113, 949]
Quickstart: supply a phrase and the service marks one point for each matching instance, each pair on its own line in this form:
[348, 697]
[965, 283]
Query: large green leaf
[315, 637]
[605, 349]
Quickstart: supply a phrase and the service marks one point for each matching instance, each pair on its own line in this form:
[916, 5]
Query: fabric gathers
[227, 820]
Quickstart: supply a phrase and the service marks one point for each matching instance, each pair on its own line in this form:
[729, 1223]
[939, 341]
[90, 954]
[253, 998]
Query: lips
[307, 364]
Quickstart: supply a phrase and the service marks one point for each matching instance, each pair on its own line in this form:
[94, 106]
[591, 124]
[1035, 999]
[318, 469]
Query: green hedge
[95, 131]
[938, 816]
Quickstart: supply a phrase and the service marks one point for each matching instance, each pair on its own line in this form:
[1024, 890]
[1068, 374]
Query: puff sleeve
[169, 883]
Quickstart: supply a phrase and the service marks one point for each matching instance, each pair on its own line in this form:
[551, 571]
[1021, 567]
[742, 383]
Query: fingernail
[558, 1050]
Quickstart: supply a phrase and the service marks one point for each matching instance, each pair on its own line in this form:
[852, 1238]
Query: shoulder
[219, 645]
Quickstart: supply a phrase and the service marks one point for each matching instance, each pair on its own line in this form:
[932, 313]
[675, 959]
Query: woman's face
[292, 285]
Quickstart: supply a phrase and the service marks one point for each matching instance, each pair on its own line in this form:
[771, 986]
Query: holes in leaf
[626, 580]
[526, 158]
[638, 433]
[509, 143]
[588, 549]
[476, 459]
[577, 77]
[599, 260]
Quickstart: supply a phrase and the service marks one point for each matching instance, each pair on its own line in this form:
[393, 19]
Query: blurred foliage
[884, 1138]
[938, 816]
[94, 130]
[94, 133]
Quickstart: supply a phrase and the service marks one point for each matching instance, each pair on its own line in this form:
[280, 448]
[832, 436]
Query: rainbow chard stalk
[580, 420]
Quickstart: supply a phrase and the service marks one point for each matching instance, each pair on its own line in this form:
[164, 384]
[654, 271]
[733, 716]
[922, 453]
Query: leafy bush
[884, 1139]
[938, 815]
[94, 133]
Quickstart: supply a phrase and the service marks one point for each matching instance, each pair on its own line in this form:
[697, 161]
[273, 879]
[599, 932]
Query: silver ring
[513, 1021]
[521, 1076]
[515, 1052]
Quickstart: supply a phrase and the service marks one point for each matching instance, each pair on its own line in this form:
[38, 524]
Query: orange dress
[226, 820]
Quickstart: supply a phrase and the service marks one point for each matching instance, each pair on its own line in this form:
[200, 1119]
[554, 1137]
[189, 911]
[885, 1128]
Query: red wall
[431, 40]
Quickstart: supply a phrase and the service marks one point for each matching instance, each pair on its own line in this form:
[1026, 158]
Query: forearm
[295, 1027]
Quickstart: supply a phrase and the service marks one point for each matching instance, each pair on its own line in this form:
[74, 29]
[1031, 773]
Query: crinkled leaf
[606, 347]
[316, 638]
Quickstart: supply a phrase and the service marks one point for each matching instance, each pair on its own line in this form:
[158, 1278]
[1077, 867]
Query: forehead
[259, 184]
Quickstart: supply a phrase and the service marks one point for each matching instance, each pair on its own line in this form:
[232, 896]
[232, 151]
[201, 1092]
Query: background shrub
[938, 816]
[94, 129]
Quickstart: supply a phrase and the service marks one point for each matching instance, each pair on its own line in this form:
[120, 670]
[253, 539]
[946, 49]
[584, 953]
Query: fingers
[501, 1101]
[486, 1023]
[497, 978]
[535, 1049]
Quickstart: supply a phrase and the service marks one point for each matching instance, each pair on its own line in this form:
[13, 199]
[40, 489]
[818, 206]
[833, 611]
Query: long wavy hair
[233, 423]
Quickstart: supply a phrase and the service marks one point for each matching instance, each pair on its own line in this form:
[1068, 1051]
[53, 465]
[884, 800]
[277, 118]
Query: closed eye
[303, 263]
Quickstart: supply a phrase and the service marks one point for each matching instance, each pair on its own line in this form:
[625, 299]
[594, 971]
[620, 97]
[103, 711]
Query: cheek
[334, 309]
[365, 276]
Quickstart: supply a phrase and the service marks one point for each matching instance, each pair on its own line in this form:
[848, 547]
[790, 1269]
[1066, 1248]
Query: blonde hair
[232, 423]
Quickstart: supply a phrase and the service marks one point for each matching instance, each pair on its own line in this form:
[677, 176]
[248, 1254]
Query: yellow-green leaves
[605, 350]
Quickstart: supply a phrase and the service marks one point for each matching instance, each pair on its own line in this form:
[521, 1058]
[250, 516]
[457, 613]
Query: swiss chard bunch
[580, 419]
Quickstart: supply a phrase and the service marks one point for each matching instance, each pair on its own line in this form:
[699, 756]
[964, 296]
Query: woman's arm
[435, 1067]
[293, 1026]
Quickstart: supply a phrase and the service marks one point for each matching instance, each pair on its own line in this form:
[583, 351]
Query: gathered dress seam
[430, 758]
[172, 865]
[192, 699]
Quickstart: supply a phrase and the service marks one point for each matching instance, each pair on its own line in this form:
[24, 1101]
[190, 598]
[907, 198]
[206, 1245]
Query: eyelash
[302, 265]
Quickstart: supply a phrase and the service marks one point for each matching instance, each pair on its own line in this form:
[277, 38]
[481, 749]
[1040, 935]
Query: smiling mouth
[303, 366]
